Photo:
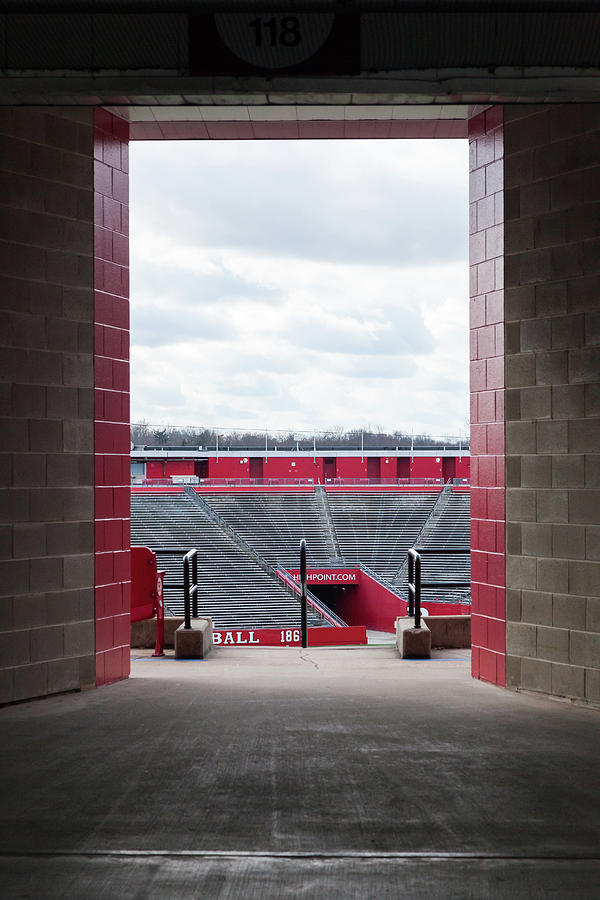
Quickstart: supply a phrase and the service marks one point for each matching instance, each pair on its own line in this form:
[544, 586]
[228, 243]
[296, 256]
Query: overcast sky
[299, 285]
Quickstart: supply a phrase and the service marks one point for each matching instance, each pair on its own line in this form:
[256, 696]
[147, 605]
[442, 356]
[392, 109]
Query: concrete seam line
[295, 855]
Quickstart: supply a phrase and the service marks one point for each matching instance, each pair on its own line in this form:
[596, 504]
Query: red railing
[272, 482]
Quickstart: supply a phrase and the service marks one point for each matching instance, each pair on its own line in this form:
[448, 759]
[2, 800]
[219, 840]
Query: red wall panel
[179, 467]
[488, 562]
[155, 468]
[237, 465]
[111, 404]
[351, 467]
[426, 467]
[229, 467]
[281, 467]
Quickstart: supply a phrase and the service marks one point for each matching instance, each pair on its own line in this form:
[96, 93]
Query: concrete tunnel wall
[64, 452]
[534, 224]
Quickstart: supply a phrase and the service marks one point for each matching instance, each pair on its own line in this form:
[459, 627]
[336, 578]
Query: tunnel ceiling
[171, 53]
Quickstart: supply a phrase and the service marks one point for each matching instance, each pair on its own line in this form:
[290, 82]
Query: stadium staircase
[236, 588]
[321, 493]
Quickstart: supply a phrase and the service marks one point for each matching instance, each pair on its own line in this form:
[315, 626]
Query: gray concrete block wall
[552, 340]
[46, 402]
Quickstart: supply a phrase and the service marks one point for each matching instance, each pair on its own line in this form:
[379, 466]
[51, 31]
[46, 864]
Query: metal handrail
[282, 577]
[303, 613]
[319, 607]
[449, 551]
[190, 590]
[414, 586]
[415, 583]
[382, 581]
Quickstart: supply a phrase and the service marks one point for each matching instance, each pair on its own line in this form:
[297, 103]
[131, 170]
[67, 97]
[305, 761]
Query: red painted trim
[395, 488]
[111, 400]
[488, 518]
[162, 489]
[253, 488]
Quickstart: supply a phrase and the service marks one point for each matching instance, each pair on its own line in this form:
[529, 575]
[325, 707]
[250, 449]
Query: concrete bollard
[411, 642]
[195, 642]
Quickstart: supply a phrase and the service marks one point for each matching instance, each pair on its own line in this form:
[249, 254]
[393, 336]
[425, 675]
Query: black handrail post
[303, 602]
[418, 591]
[190, 590]
[195, 585]
[186, 592]
[411, 581]
[414, 585]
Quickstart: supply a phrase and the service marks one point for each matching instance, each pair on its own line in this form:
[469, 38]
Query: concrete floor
[304, 774]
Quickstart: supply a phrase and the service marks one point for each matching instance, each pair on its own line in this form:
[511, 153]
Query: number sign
[304, 43]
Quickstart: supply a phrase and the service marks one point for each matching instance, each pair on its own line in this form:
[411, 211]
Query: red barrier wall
[369, 603]
[418, 488]
[143, 583]
[250, 488]
[289, 637]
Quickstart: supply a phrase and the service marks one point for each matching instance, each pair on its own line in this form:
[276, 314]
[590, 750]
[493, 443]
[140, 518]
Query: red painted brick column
[488, 558]
[111, 390]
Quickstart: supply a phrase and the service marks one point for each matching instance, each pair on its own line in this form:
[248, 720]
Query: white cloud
[299, 311]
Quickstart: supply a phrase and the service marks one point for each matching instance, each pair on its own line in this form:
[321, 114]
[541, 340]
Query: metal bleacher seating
[273, 524]
[450, 532]
[234, 588]
[377, 528]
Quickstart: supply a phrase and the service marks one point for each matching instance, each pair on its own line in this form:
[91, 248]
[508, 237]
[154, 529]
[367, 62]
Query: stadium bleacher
[274, 524]
[377, 528]
[234, 589]
[449, 531]
[240, 535]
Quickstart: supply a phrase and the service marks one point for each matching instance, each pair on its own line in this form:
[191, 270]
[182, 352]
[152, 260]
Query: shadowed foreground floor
[287, 773]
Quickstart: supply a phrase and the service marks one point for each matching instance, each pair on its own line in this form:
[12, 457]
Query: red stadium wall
[166, 468]
[351, 467]
[229, 467]
[286, 467]
[305, 467]
[426, 467]
[370, 603]
[156, 469]
[463, 467]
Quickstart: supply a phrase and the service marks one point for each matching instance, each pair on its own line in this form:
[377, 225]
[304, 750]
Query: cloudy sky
[300, 285]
